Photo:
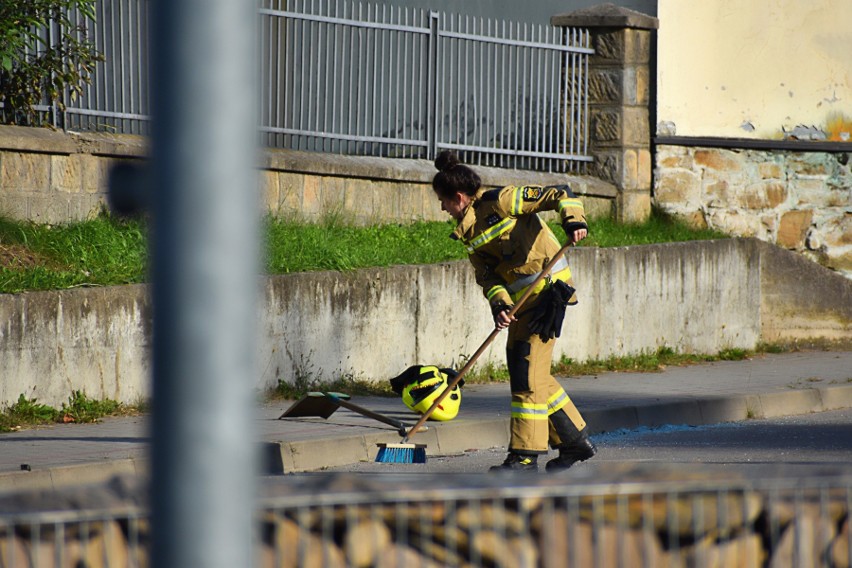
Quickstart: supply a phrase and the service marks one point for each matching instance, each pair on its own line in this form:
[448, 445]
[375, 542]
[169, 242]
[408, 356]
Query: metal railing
[374, 80]
[399, 82]
[117, 99]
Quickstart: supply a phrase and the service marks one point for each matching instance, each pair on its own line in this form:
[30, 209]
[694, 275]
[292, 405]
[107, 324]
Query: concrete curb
[64, 476]
[458, 436]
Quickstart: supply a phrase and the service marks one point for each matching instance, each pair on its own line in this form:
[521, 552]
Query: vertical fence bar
[86, 92]
[205, 262]
[335, 56]
[144, 68]
[119, 79]
[52, 41]
[474, 126]
[131, 60]
[308, 119]
[115, 43]
[289, 79]
[534, 103]
[464, 76]
[462, 80]
[402, 91]
[385, 94]
[556, 72]
[299, 100]
[433, 80]
[585, 112]
[573, 85]
[505, 64]
[489, 94]
[362, 77]
[101, 91]
[133, 64]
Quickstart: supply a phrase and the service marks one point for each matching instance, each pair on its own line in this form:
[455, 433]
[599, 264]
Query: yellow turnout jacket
[508, 244]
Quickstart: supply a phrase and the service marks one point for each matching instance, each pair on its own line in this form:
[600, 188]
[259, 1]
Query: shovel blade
[312, 404]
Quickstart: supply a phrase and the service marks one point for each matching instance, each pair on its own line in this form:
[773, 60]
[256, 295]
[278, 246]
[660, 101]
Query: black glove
[497, 308]
[570, 226]
[549, 313]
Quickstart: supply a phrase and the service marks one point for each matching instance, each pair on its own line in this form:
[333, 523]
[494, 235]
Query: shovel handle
[400, 426]
[467, 366]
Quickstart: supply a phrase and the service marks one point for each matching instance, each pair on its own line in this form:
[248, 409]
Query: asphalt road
[806, 440]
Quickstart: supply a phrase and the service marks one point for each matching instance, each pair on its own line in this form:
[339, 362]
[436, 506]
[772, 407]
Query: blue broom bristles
[401, 453]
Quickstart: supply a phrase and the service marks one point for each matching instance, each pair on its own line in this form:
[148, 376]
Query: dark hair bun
[446, 160]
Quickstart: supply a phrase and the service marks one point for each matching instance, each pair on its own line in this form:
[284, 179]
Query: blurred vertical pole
[205, 266]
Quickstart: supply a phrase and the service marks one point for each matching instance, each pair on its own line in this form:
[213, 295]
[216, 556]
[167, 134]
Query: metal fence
[403, 82]
[327, 520]
[361, 79]
[117, 98]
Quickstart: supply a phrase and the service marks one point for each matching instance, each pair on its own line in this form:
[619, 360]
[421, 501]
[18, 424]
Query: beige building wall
[748, 69]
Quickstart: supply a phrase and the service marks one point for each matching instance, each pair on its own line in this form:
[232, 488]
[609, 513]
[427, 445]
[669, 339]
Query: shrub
[35, 70]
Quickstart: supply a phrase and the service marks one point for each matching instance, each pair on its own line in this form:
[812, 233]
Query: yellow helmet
[424, 384]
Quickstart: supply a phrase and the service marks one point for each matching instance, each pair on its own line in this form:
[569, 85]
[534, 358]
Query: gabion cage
[412, 520]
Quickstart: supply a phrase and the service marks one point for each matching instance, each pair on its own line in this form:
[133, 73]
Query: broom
[405, 452]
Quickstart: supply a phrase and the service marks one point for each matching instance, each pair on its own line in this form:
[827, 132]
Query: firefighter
[508, 245]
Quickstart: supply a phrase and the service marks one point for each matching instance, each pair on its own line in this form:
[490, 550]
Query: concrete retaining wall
[371, 324]
[95, 340]
[800, 300]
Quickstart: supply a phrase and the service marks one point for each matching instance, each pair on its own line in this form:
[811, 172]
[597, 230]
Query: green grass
[646, 362]
[107, 251]
[298, 246]
[28, 412]
[660, 228]
[102, 251]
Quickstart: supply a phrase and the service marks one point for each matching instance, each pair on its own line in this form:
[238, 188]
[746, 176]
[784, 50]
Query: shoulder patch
[532, 192]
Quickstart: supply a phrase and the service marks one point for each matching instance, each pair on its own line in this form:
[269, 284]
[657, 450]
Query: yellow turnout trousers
[542, 411]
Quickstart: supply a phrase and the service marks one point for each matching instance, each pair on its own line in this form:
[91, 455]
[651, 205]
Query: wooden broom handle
[467, 366]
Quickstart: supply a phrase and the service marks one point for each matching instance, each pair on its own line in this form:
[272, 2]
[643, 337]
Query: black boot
[517, 462]
[581, 450]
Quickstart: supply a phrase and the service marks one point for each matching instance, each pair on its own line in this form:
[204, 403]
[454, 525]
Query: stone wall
[619, 101]
[800, 201]
[55, 177]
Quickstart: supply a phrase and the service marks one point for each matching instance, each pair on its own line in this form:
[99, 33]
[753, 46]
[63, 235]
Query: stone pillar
[619, 99]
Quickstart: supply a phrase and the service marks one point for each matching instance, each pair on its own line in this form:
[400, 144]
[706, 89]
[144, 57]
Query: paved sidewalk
[766, 386]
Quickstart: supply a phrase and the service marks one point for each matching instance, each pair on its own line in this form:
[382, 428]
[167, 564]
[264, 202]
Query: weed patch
[645, 362]
[28, 412]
